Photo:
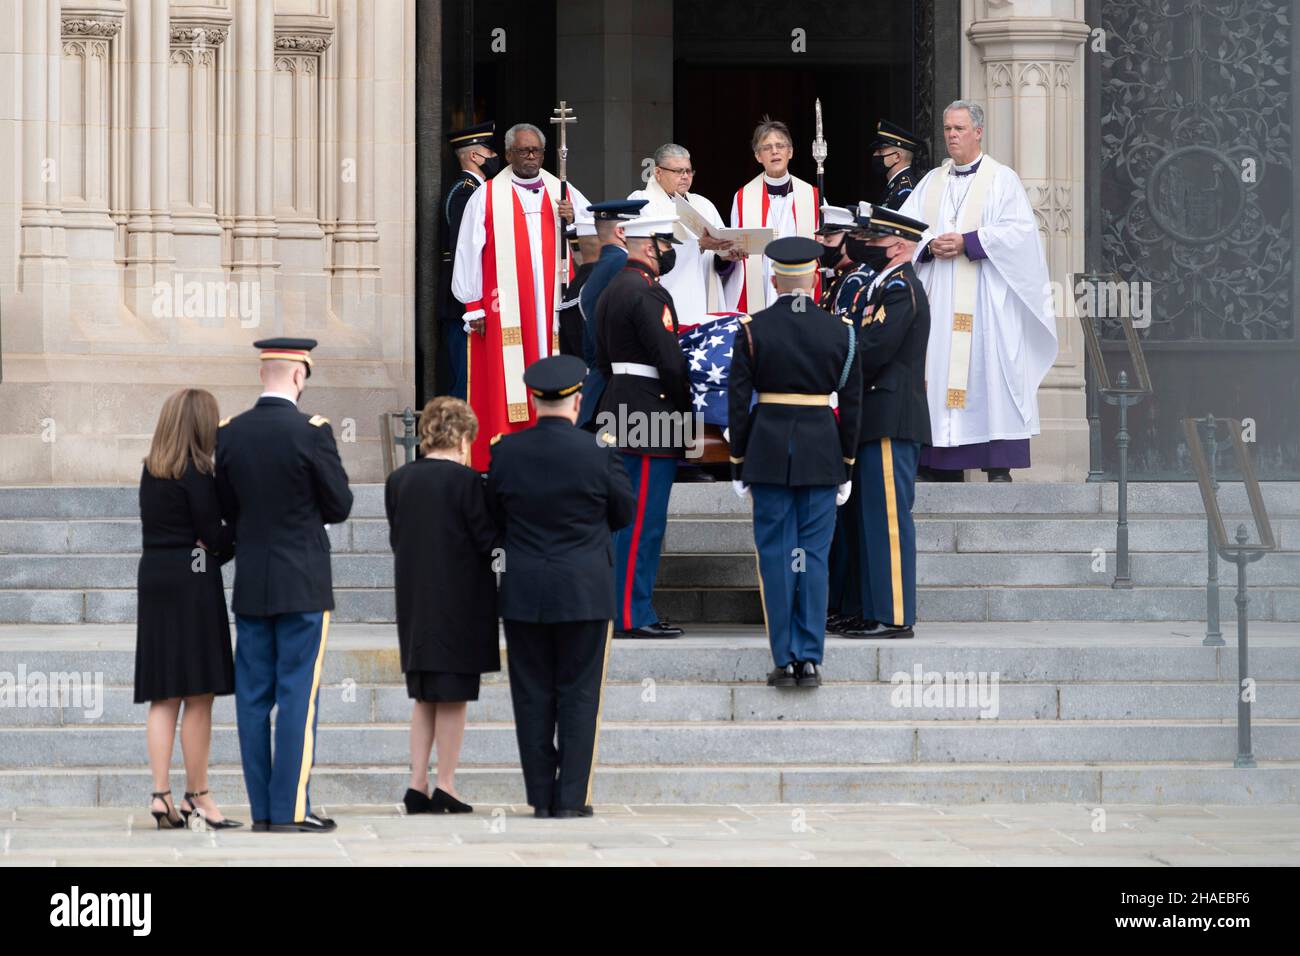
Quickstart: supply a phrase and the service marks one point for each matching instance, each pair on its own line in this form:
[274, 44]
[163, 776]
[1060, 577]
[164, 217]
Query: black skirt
[441, 687]
[182, 631]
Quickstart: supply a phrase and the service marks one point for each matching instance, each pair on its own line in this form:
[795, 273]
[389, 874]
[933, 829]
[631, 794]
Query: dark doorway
[734, 61]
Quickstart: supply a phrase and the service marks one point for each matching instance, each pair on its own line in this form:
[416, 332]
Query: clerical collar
[897, 174]
[533, 184]
[778, 187]
[960, 169]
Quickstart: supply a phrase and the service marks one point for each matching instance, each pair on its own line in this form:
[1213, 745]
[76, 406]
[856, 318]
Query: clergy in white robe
[992, 321]
[775, 199]
[697, 278]
[505, 274]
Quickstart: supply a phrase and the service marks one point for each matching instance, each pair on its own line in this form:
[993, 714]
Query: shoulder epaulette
[224, 422]
[746, 319]
[495, 438]
[318, 420]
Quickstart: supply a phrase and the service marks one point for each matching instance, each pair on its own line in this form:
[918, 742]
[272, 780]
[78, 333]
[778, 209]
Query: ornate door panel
[1198, 188]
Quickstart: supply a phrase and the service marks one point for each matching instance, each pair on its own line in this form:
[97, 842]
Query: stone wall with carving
[181, 179]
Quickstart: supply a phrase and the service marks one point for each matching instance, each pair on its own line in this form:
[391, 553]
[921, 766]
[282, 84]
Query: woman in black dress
[182, 649]
[442, 537]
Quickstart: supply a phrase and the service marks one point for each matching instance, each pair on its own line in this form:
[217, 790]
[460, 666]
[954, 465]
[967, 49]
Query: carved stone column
[1025, 65]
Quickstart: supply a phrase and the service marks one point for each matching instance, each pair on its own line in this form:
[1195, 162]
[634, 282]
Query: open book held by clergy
[751, 242]
[505, 273]
[992, 322]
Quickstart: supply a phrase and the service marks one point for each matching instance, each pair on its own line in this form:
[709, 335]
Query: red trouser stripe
[629, 573]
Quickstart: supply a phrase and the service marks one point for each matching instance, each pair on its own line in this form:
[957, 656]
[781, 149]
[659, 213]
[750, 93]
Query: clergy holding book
[505, 274]
[774, 199]
[696, 282]
[993, 326]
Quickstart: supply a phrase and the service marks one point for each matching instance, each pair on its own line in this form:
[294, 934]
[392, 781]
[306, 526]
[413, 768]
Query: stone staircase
[1020, 552]
[1085, 713]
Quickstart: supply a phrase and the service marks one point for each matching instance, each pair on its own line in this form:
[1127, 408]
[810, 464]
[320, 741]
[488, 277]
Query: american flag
[708, 353]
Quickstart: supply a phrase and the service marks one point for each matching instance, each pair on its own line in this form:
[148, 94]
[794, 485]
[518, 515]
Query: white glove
[842, 493]
[740, 488]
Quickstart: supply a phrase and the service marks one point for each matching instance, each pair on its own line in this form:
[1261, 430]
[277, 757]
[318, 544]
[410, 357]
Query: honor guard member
[894, 149]
[584, 247]
[844, 286]
[280, 482]
[892, 340]
[609, 217]
[478, 163]
[792, 452]
[557, 493]
[645, 407]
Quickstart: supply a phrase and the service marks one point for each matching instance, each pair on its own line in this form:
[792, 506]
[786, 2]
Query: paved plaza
[698, 835]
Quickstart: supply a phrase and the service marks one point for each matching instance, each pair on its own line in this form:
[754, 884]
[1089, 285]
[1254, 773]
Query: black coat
[571, 321]
[182, 626]
[891, 347]
[557, 493]
[442, 537]
[897, 191]
[786, 349]
[453, 210]
[280, 481]
[637, 322]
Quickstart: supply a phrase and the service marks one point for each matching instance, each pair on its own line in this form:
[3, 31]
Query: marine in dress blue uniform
[607, 216]
[455, 344]
[793, 451]
[557, 492]
[280, 482]
[637, 350]
[844, 284]
[892, 339]
[892, 152]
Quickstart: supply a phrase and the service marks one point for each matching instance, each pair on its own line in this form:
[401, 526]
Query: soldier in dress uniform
[558, 492]
[844, 283]
[892, 340]
[281, 483]
[792, 452]
[646, 407]
[894, 149]
[479, 162]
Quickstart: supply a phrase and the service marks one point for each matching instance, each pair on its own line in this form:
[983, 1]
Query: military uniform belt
[634, 368]
[792, 398]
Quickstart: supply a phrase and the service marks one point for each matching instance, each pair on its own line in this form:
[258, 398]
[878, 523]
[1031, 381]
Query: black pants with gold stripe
[884, 487]
[557, 680]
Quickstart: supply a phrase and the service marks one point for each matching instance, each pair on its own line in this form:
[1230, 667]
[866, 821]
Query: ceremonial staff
[819, 154]
[562, 118]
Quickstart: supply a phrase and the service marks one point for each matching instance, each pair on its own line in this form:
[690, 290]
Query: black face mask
[873, 256]
[878, 166]
[666, 260]
[830, 257]
[490, 166]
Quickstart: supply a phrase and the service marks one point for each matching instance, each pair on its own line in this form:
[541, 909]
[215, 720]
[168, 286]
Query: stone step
[742, 605]
[766, 743]
[662, 701]
[1172, 569]
[1282, 499]
[1198, 784]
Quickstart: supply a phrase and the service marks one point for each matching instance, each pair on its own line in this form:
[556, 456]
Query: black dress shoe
[308, 824]
[570, 813]
[415, 801]
[998, 474]
[857, 627]
[444, 802]
[808, 675]
[667, 630]
[891, 631]
[649, 631]
[834, 622]
[542, 813]
[261, 826]
[782, 676]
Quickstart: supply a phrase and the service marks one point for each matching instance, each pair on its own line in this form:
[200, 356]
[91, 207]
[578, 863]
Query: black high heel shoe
[194, 809]
[173, 823]
[443, 802]
[415, 801]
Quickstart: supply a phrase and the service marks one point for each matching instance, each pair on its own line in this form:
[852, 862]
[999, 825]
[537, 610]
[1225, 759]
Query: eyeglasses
[774, 148]
[529, 150]
[687, 171]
